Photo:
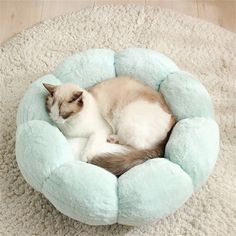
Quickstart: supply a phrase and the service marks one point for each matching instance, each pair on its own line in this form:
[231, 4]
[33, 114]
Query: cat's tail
[119, 163]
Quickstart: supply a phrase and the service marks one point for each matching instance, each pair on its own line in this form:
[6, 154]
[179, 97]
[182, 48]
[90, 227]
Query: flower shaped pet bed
[145, 193]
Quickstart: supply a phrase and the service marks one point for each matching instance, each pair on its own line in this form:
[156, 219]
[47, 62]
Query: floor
[16, 15]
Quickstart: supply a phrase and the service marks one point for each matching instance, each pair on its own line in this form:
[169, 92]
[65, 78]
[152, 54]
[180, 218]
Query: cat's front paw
[113, 138]
[88, 156]
[84, 158]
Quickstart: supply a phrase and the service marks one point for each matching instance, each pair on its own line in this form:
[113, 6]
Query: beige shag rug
[196, 46]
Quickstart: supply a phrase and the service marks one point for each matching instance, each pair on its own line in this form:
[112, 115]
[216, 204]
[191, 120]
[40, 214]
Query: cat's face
[63, 101]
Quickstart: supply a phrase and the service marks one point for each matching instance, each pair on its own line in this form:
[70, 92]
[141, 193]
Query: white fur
[78, 144]
[142, 124]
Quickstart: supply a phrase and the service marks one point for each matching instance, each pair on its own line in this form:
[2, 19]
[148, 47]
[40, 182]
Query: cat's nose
[60, 120]
[54, 118]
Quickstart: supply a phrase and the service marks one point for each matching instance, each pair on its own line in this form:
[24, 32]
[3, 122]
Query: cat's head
[63, 101]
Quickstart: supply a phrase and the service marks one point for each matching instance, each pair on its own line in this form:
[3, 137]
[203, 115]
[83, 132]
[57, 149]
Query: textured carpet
[196, 46]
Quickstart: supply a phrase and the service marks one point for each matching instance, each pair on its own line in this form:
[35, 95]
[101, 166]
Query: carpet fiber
[196, 46]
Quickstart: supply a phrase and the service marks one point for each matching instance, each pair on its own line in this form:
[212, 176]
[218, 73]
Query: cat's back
[115, 93]
[122, 88]
[116, 86]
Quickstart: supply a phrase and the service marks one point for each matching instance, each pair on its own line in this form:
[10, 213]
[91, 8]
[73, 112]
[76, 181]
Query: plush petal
[32, 105]
[186, 96]
[87, 68]
[144, 64]
[194, 145]
[84, 192]
[151, 191]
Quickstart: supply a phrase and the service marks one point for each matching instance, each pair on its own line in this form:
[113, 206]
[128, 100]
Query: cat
[123, 111]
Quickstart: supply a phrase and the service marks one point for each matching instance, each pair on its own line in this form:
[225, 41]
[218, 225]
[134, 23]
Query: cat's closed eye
[66, 115]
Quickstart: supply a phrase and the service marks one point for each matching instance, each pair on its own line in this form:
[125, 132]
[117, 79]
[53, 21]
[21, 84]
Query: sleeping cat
[121, 110]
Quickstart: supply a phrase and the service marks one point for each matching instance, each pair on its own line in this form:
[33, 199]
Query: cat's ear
[51, 88]
[77, 96]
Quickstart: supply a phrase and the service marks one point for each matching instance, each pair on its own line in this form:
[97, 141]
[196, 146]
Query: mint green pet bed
[145, 193]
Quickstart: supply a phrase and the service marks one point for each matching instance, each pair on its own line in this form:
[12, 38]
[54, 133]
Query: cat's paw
[113, 138]
[87, 156]
[84, 158]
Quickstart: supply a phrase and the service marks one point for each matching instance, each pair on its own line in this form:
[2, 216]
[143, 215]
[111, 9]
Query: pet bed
[145, 193]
